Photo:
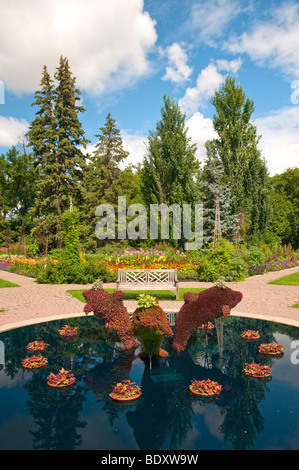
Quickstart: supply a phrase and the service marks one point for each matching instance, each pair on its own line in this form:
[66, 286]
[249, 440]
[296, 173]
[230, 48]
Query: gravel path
[32, 302]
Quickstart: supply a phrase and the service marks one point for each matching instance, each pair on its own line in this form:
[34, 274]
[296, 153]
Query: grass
[296, 305]
[289, 280]
[4, 283]
[132, 295]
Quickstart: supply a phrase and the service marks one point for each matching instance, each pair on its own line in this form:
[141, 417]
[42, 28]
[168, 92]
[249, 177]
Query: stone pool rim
[68, 316]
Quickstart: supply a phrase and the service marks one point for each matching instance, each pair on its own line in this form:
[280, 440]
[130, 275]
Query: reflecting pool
[249, 413]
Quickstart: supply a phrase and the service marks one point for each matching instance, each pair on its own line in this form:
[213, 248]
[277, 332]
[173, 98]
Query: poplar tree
[169, 166]
[56, 136]
[236, 148]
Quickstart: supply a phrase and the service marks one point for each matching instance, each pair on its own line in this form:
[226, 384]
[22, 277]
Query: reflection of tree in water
[56, 415]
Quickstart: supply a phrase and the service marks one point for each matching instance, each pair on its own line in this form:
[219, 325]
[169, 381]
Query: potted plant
[270, 348]
[125, 391]
[64, 378]
[150, 326]
[37, 346]
[34, 362]
[250, 335]
[256, 370]
[205, 388]
[68, 331]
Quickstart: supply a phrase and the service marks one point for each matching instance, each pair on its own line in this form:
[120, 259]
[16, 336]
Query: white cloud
[135, 144]
[208, 81]
[178, 71]
[273, 42]
[107, 43]
[280, 138]
[200, 129]
[211, 19]
[12, 130]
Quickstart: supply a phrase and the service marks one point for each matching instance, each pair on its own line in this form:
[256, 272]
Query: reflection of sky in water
[248, 415]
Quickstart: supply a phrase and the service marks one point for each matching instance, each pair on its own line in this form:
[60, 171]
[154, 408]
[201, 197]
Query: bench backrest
[147, 276]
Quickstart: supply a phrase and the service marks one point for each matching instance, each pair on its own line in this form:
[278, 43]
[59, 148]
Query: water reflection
[167, 416]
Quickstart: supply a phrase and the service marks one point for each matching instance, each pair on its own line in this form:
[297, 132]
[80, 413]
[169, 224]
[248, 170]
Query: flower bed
[256, 370]
[205, 388]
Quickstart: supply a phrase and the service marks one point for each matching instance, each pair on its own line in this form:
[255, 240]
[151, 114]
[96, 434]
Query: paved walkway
[33, 303]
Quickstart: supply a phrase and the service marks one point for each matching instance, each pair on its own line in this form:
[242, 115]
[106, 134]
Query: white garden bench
[148, 279]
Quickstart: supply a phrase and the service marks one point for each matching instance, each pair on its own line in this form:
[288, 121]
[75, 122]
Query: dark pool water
[249, 414]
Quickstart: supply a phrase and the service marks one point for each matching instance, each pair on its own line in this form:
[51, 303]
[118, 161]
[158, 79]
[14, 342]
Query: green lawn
[289, 280]
[4, 283]
[129, 295]
[296, 305]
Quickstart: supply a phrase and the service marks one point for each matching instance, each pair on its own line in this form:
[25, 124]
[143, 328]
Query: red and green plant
[202, 308]
[68, 331]
[205, 387]
[111, 309]
[150, 325]
[270, 348]
[206, 326]
[64, 378]
[34, 362]
[37, 346]
[125, 390]
[256, 370]
[250, 335]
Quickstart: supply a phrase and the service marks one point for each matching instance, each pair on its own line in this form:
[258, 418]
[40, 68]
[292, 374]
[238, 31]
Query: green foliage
[222, 262]
[146, 301]
[236, 148]
[170, 166]
[71, 249]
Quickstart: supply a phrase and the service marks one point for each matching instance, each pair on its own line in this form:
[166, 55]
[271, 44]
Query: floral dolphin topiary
[110, 308]
[201, 308]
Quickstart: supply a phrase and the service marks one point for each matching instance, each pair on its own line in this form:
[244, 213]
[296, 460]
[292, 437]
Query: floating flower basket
[205, 388]
[256, 370]
[125, 391]
[271, 348]
[250, 335]
[68, 331]
[37, 346]
[64, 378]
[34, 362]
[206, 326]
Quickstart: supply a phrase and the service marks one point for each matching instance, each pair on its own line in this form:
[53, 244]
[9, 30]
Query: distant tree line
[50, 172]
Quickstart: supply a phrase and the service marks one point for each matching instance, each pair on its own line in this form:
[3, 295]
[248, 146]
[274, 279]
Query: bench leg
[177, 292]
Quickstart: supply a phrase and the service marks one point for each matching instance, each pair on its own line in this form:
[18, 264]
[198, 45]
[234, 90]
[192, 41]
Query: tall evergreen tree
[213, 188]
[55, 136]
[102, 175]
[236, 148]
[170, 166]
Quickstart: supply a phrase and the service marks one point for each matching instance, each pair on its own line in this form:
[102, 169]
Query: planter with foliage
[68, 331]
[150, 326]
[34, 362]
[250, 335]
[64, 378]
[37, 346]
[256, 370]
[271, 348]
[205, 388]
[125, 391]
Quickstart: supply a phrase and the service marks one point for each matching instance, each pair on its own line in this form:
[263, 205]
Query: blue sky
[126, 54]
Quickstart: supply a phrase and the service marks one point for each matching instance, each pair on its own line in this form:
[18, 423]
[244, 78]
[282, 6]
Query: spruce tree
[55, 136]
[212, 187]
[102, 174]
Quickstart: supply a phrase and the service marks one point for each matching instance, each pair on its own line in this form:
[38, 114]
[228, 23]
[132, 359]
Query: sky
[127, 54]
